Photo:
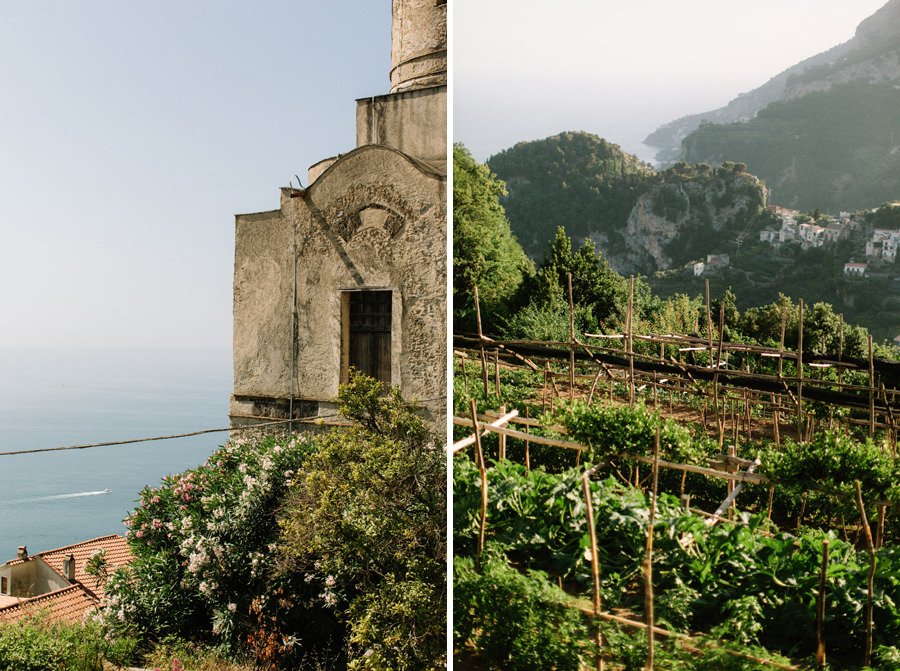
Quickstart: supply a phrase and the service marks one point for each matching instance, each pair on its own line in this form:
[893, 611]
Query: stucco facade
[353, 267]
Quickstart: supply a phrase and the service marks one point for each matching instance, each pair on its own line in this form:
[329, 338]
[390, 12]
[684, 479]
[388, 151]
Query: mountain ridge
[872, 54]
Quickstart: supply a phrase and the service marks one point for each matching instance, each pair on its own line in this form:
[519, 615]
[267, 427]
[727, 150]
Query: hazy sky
[132, 132]
[620, 68]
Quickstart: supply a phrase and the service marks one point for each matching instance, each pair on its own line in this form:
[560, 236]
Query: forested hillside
[576, 180]
[833, 150]
[640, 219]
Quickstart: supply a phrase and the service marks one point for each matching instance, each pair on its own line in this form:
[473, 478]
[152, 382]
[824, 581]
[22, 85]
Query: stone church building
[351, 270]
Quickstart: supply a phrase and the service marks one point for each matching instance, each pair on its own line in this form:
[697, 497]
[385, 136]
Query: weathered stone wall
[414, 122]
[375, 219]
[418, 44]
[262, 305]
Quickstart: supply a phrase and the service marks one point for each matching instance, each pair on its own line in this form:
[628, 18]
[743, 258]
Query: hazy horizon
[620, 70]
[131, 135]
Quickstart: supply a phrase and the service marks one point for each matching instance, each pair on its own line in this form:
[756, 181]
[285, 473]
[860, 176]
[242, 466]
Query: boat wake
[57, 497]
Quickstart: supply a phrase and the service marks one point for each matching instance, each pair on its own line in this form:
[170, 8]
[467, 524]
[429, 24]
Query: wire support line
[153, 438]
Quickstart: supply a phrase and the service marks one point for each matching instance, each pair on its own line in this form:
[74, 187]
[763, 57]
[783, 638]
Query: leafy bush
[33, 644]
[308, 549]
[509, 620]
[368, 517]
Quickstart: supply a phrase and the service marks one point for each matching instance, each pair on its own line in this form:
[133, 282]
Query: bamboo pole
[629, 321]
[841, 349]
[720, 421]
[502, 438]
[527, 445]
[484, 373]
[800, 376]
[820, 609]
[497, 372]
[571, 341]
[870, 585]
[501, 420]
[686, 641]
[595, 561]
[648, 593]
[871, 390]
[879, 534]
[544, 389]
[482, 527]
[465, 376]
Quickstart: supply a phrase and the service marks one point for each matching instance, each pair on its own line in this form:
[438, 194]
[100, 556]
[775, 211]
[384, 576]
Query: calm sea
[54, 398]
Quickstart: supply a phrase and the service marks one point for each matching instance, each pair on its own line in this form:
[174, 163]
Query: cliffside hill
[575, 180]
[871, 56]
[641, 220]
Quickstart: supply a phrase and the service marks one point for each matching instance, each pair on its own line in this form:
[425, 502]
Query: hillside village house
[56, 582]
[856, 269]
[350, 271]
[883, 244]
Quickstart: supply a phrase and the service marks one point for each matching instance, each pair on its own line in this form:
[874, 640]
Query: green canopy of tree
[485, 252]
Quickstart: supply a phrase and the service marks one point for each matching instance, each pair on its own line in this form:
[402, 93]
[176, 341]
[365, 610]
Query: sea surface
[59, 398]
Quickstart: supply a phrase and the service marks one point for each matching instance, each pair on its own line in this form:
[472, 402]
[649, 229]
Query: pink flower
[139, 533]
[155, 499]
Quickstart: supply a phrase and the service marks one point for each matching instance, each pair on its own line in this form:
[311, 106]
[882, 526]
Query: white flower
[232, 607]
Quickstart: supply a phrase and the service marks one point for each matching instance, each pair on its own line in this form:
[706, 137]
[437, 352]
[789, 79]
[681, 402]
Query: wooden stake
[870, 586]
[544, 390]
[628, 320]
[502, 437]
[465, 376]
[571, 341]
[720, 419]
[820, 609]
[497, 372]
[879, 534]
[771, 499]
[800, 376]
[648, 593]
[871, 390]
[594, 383]
[484, 373]
[527, 445]
[840, 371]
[482, 529]
[595, 561]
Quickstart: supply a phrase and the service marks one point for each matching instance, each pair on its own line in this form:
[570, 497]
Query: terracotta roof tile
[69, 605]
[117, 554]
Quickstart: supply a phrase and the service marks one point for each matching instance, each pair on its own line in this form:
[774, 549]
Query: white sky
[525, 69]
[132, 132]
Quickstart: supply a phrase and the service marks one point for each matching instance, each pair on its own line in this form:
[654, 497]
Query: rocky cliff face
[687, 217]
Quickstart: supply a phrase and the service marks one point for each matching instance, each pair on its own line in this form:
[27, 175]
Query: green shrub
[509, 620]
[366, 519]
[313, 550]
[34, 645]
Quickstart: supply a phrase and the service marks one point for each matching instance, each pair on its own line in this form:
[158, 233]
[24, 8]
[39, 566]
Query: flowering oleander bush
[205, 542]
[326, 547]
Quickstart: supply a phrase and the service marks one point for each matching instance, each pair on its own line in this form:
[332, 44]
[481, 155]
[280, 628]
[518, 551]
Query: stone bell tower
[418, 44]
